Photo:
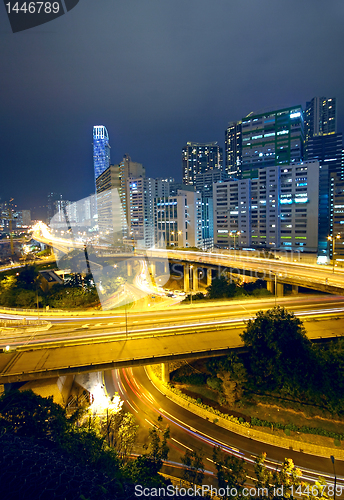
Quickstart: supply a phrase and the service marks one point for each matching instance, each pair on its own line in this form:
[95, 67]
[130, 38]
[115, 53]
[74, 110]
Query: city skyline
[182, 75]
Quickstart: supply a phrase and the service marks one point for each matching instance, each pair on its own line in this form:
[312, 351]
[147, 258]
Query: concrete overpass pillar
[153, 268]
[64, 384]
[209, 276]
[195, 279]
[186, 271]
[280, 289]
[270, 286]
[295, 289]
[165, 372]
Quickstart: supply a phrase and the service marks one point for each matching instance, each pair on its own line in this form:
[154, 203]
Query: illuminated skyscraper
[320, 117]
[200, 158]
[233, 147]
[101, 150]
[271, 138]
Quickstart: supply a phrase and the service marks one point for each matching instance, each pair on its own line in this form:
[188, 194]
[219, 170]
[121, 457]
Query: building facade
[272, 138]
[128, 169]
[233, 150]
[276, 210]
[336, 233]
[320, 117]
[204, 183]
[178, 220]
[324, 145]
[141, 193]
[110, 213]
[200, 158]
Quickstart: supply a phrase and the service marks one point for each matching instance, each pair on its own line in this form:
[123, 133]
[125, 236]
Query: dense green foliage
[194, 466]
[281, 367]
[85, 440]
[230, 471]
[63, 460]
[26, 289]
[223, 287]
[282, 360]
[279, 350]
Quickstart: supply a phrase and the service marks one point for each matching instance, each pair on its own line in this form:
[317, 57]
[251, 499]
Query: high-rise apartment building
[128, 169]
[178, 220]
[110, 213]
[101, 150]
[272, 138]
[233, 150]
[53, 198]
[336, 233]
[204, 181]
[320, 117]
[232, 213]
[204, 184]
[141, 193]
[276, 210]
[200, 158]
[323, 144]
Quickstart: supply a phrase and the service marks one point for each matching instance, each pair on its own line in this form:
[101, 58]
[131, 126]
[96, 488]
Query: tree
[279, 351]
[28, 414]
[220, 288]
[277, 483]
[144, 470]
[121, 431]
[230, 472]
[28, 278]
[158, 448]
[194, 466]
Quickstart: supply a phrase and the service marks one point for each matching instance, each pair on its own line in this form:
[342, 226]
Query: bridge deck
[28, 363]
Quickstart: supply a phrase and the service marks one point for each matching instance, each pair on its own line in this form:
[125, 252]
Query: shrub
[215, 383]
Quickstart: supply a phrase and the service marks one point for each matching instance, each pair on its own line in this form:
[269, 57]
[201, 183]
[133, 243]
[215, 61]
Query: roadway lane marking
[181, 444]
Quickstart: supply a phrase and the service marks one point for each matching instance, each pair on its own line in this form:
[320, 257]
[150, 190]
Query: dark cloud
[157, 73]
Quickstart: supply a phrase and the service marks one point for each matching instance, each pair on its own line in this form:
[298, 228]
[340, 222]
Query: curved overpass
[151, 337]
[295, 272]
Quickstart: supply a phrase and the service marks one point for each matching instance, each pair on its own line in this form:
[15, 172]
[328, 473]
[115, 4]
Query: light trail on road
[172, 321]
[196, 437]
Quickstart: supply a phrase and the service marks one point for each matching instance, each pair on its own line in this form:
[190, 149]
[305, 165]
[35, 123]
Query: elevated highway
[290, 270]
[152, 337]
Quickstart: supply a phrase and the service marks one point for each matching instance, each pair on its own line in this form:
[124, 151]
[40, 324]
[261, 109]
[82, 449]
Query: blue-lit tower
[101, 150]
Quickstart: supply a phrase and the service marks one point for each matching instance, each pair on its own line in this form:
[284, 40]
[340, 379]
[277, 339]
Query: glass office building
[101, 150]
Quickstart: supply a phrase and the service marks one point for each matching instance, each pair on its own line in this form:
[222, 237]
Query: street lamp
[191, 267]
[235, 233]
[333, 239]
[335, 477]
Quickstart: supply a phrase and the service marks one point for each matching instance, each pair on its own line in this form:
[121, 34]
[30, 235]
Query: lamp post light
[333, 239]
[191, 267]
[335, 477]
[235, 233]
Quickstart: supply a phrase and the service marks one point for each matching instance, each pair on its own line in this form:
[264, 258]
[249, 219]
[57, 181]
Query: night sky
[156, 73]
